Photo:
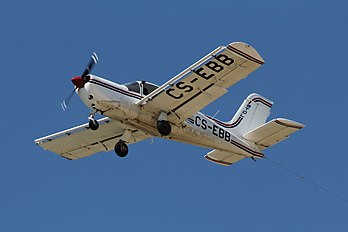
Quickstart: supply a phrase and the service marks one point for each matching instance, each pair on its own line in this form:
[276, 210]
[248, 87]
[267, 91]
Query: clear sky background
[168, 186]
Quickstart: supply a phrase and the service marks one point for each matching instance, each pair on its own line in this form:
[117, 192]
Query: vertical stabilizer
[253, 112]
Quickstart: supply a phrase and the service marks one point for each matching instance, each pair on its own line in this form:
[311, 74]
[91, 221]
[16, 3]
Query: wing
[203, 82]
[272, 132]
[223, 158]
[80, 141]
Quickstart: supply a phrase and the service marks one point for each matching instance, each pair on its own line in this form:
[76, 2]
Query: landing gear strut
[93, 124]
[121, 148]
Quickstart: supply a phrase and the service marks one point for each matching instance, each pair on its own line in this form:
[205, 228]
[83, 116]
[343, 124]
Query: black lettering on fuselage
[215, 130]
[227, 136]
[198, 121]
[221, 133]
[204, 124]
[201, 122]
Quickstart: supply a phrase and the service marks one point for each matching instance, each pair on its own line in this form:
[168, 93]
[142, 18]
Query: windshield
[133, 86]
[148, 88]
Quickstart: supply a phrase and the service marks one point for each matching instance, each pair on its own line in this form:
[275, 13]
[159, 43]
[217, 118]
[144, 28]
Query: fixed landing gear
[163, 126]
[93, 124]
[121, 148]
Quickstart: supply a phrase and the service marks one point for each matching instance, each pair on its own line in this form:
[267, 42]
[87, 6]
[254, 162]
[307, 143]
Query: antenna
[216, 113]
[308, 180]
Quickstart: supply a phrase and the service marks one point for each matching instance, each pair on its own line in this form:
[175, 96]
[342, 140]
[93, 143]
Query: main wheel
[121, 149]
[164, 127]
[93, 124]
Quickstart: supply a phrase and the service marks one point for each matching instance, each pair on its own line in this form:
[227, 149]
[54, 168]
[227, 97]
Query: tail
[253, 113]
[250, 123]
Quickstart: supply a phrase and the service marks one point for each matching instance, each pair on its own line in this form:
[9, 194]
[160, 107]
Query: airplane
[140, 110]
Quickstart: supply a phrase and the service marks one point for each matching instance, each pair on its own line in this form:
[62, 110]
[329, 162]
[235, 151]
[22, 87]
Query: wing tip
[289, 123]
[220, 162]
[247, 51]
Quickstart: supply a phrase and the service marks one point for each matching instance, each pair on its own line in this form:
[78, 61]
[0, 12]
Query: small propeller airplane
[140, 110]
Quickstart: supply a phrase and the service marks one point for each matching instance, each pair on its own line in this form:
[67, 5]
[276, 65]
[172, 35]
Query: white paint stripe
[95, 57]
[63, 105]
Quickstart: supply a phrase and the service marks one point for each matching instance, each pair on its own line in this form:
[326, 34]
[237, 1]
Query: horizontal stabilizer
[272, 132]
[223, 158]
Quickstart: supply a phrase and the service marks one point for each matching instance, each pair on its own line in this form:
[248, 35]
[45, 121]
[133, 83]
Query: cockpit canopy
[141, 87]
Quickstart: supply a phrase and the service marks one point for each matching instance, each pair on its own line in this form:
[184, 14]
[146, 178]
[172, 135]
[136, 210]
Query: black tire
[164, 127]
[121, 149]
[93, 124]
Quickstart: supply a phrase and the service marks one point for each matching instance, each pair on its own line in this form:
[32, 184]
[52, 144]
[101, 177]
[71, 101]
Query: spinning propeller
[80, 81]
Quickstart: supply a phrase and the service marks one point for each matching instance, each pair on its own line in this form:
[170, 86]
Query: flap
[272, 132]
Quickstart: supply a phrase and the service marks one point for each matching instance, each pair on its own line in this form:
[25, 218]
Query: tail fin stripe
[226, 125]
[262, 101]
[240, 119]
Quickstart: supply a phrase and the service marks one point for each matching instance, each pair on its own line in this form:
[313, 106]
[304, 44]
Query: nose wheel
[93, 124]
[121, 148]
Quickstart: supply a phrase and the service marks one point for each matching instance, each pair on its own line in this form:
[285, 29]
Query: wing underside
[80, 141]
[203, 82]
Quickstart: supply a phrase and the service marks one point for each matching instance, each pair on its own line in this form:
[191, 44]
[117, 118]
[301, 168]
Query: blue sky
[168, 186]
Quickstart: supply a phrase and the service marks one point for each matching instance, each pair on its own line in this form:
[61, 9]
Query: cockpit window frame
[141, 87]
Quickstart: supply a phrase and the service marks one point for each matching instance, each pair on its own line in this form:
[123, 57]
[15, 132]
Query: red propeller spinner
[79, 82]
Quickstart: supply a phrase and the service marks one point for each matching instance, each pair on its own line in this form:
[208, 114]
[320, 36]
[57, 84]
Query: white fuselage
[118, 103]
